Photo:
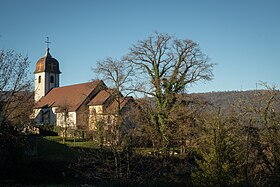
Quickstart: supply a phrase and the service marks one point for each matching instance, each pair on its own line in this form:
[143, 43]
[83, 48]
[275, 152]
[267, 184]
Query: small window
[52, 79]
[39, 79]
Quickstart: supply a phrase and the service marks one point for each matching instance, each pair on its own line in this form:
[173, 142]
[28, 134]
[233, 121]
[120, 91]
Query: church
[78, 106]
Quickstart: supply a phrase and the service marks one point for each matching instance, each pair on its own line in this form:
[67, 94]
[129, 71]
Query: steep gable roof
[112, 108]
[101, 97]
[108, 100]
[68, 96]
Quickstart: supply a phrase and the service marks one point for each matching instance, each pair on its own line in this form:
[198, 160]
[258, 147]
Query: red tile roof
[71, 96]
[112, 108]
[101, 97]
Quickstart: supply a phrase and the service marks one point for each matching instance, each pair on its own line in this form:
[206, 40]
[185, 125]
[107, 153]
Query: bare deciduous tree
[65, 120]
[168, 65]
[118, 75]
[15, 86]
[15, 105]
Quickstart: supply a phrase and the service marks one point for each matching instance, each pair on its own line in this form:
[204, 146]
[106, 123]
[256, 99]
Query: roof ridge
[73, 95]
[78, 84]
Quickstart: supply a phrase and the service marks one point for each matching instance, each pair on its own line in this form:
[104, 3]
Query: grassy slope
[51, 163]
[70, 142]
[49, 149]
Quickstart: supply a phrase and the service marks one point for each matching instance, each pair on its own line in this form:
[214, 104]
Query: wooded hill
[228, 99]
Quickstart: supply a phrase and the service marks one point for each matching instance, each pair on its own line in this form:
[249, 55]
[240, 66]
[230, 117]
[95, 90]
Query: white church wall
[36, 115]
[47, 82]
[70, 121]
[53, 115]
[45, 116]
[49, 85]
[39, 85]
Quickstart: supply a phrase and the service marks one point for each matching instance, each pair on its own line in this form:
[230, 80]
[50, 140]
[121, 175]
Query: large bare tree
[15, 105]
[167, 66]
[118, 75]
[15, 95]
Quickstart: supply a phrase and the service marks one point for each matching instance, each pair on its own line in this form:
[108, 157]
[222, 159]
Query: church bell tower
[46, 75]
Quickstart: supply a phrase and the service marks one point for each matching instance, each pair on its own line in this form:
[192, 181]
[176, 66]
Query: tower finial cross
[47, 42]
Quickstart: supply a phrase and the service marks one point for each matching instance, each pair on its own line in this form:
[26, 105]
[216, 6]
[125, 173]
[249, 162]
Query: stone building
[78, 106]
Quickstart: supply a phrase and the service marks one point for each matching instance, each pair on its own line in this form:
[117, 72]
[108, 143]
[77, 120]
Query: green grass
[52, 148]
[48, 149]
[78, 143]
[54, 158]
[57, 145]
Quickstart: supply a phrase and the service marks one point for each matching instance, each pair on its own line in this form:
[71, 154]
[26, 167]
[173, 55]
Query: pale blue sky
[241, 36]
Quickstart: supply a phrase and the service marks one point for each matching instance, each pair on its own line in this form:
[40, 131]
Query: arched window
[39, 79]
[52, 79]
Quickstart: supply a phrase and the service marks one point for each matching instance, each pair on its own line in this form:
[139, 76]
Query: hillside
[228, 99]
